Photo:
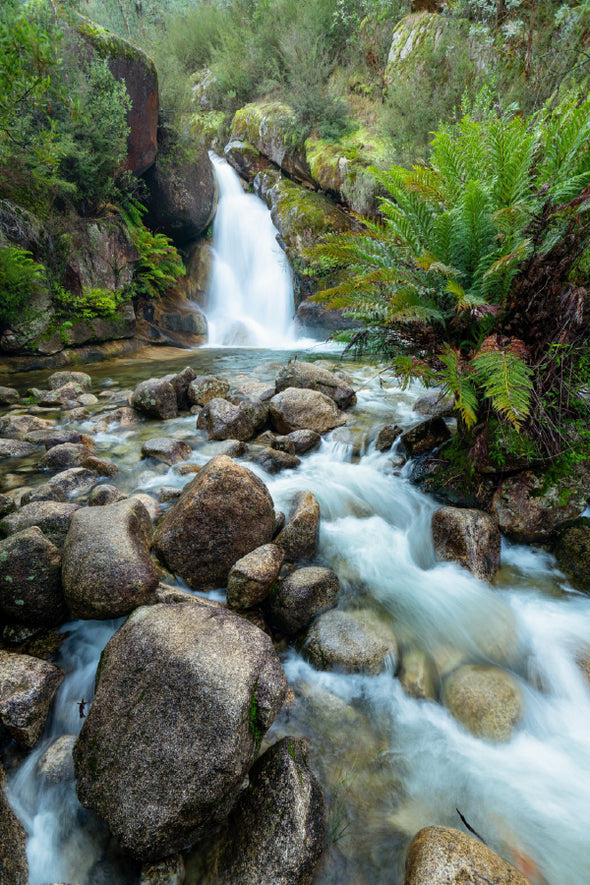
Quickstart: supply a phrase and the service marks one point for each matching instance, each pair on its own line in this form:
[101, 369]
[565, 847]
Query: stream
[390, 764]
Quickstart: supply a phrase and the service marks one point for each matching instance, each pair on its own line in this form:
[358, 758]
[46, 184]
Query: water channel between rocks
[390, 764]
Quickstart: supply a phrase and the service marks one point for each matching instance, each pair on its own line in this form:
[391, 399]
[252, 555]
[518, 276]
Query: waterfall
[250, 299]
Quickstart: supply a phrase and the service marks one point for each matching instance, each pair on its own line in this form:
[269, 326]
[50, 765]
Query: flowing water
[250, 301]
[390, 764]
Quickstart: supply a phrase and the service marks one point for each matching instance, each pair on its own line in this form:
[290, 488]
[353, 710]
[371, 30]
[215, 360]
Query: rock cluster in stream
[170, 751]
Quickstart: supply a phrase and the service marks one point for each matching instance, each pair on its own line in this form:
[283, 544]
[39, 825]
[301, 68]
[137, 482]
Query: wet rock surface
[185, 693]
[351, 641]
[300, 596]
[223, 514]
[309, 376]
[468, 537]
[299, 536]
[107, 569]
[27, 689]
[30, 580]
[444, 856]
[251, 578]
[297, 409]
[572, 551]
[277, 831]
[14, 868]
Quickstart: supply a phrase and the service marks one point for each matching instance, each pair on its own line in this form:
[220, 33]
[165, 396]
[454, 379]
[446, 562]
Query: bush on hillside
[475, 277]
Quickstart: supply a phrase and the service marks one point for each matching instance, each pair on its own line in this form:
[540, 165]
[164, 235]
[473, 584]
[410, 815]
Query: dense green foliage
[159, 265]
[473, 276]
[20, 277]
[63, 142]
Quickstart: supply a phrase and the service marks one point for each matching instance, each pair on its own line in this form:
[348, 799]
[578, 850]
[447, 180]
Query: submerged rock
[165, 872]
[277, 831]
[107, 569]
[224, 513]
[27, 689]
[418, 675]
[486, 700]
[444, 856]
[185, 694]
[469, 537]
[166, 449]
[353, 641]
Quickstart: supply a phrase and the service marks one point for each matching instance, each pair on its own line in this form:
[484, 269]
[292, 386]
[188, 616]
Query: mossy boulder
[130, 64]
[341, 168]
[182, 188]
[270, 127]
[530, 508]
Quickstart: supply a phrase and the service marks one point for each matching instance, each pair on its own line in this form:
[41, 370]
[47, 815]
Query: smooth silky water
[389, 764]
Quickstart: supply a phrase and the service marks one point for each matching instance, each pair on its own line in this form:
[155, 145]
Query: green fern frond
[507, 381]
[460, 386]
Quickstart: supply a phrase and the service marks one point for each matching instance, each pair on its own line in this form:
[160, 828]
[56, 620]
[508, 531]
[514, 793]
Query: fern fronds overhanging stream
[474, 275]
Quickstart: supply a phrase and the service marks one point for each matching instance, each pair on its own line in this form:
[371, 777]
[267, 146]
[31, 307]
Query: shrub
[20, 277]
[160, 264]
[471, 277]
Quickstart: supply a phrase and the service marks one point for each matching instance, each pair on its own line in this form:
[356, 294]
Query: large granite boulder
[65, 455]
[486, 700]
[185, 694]
[181, 188]
[469, 537]
[14, 869]
[27, 689]
[223, 514]
[128, 63]
[300, 596]
[277, 831]
[444, 856]
[297, 409]
[530, 510]
[312, 377]
[30, 580]
[107, 568]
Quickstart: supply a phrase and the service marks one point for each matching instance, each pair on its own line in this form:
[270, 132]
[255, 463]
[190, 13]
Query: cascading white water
[250, 300]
